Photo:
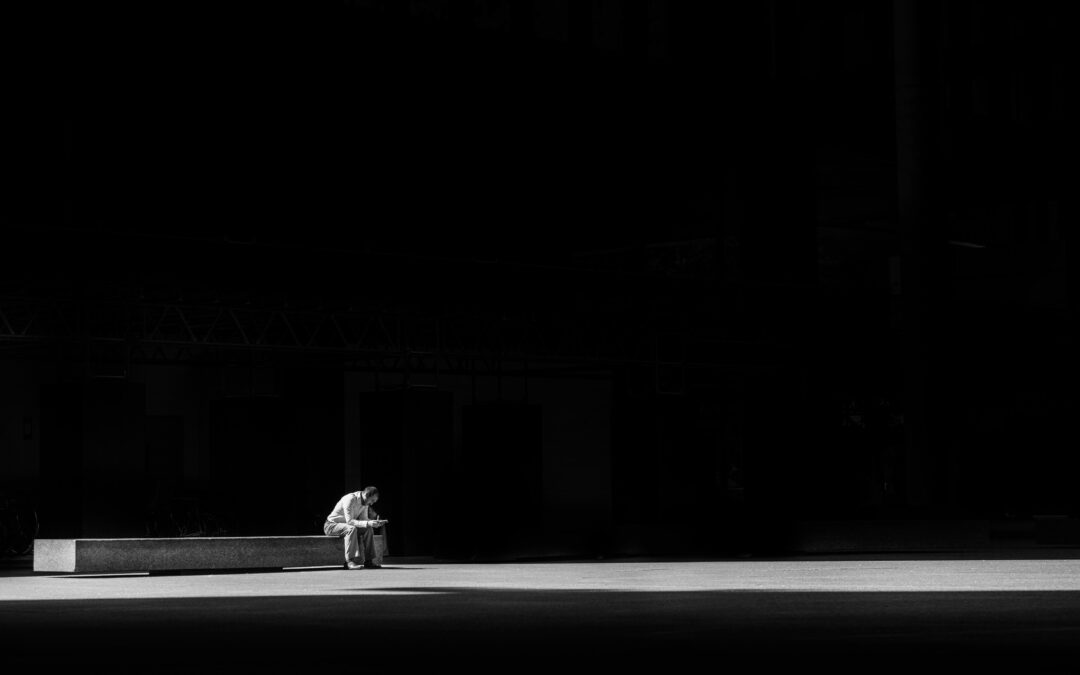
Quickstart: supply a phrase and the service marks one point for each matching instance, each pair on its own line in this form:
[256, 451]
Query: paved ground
[845, 613]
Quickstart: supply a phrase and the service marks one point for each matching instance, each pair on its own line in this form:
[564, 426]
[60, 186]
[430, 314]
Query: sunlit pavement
[876, 613]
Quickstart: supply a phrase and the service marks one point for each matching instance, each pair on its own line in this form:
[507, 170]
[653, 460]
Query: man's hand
[367, 523]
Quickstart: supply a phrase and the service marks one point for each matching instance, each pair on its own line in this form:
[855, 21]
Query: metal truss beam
[417, 342]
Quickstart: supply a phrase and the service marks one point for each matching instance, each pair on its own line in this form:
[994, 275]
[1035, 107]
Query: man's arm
[335, 516]
[347, 516]
[352, 510]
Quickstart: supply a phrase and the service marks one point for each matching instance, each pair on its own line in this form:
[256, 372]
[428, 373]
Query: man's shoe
[372, 566]
[354, 566]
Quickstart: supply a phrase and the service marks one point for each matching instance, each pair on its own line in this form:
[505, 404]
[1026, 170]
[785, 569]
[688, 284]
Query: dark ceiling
[361, 155]
[426, 136]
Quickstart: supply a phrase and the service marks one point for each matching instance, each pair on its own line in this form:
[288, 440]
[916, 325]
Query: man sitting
[353, 520]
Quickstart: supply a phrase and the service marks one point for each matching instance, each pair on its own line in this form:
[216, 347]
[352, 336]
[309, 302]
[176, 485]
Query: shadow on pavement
[407, 629]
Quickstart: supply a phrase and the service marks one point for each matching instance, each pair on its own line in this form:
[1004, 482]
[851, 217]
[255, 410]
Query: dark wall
[910, 257]
[92, 479]
[277, 460]
[61, 476]
[502, 463]
[724, 470]
[270, 464]
[405, 449]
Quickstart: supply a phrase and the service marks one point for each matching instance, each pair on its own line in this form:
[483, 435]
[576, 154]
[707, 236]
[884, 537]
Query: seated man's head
[371, 495]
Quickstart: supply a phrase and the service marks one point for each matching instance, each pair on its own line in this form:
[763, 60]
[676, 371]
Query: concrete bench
[189, 553]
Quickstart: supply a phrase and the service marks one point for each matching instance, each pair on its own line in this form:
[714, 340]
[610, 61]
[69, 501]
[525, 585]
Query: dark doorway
[251, 474]
[502, 464]
[406, 449]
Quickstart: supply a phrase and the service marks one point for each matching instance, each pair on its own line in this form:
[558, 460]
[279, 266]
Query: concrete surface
[845, 613]
[187, 553]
